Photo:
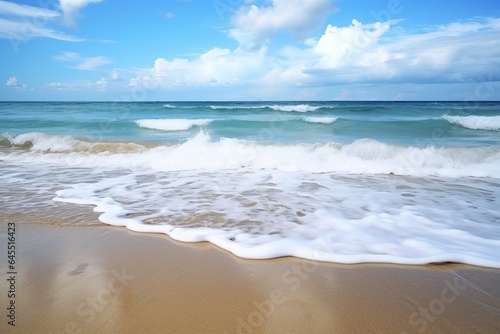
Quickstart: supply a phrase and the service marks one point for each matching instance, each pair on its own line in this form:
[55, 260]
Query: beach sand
[94, 278]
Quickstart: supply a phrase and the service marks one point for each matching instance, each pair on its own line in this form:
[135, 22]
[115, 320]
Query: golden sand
[101, 279]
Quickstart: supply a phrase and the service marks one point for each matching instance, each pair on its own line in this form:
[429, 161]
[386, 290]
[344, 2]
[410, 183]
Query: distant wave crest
[277, 107]
[171, 124]
[296, 108]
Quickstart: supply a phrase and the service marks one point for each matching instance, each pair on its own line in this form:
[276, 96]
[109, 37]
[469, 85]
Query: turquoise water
[348, 182]
[405, 123]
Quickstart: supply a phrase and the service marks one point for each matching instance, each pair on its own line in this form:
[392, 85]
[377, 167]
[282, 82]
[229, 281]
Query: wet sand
[102, 279]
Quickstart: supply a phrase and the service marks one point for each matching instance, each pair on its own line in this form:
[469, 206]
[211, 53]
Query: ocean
[343, 182]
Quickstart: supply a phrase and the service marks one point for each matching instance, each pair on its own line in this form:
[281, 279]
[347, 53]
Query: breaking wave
[475, 122]
[203, 153]
[323, 120]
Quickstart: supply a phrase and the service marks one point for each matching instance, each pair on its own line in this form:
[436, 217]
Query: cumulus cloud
[254, 26]
[458, 52]
[360, 53]
[215, 67]
[102, 83]
[76, 61]
[14, 82]
[345, 45]
[71, 10]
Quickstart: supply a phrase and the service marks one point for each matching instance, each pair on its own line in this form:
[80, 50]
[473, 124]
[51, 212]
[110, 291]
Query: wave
[277, 107]
[41, 142]
[295, 108]
[232, 107]
[475, 122]
[323, 120]
[171, 124]
[335, 218]
[364, 156]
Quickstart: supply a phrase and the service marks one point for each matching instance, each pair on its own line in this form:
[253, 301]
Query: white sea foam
[42, 142]
[277, 107]
[171, 124]
[325, 217]
[323, 120]
[296, 108]
[203, 153]
[314, 201]
[232, 107]
[475, 122]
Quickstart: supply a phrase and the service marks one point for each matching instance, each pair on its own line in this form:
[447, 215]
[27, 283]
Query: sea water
[346, 182]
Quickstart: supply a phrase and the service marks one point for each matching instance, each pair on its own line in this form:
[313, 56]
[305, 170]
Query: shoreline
[100, 278]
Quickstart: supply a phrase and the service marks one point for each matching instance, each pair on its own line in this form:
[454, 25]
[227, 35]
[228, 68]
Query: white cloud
[71, 9]
[72, 86]
[14, 82]
[76, 61]
[76, 86]
[91, 63]
[23, 31]
[214, 68]
[102, 83]
[115, 75]
[11, 8]
[356, 54]
[23, 22]
[347, 45]
[289, 75]
[254, 26]
[459, 52]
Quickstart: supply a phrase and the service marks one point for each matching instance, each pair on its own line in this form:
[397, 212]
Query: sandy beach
[101, 279]
[249, 167]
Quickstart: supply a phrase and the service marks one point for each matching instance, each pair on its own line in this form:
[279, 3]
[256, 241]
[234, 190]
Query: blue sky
[136, 50]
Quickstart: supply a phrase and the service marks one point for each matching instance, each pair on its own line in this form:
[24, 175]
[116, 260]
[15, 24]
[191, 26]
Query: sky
[171, 50]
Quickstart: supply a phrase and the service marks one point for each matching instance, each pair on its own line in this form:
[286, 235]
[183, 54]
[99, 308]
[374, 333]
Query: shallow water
[409, 183]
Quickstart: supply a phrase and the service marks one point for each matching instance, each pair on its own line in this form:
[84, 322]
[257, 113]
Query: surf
[475, 122]
[202, 152]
